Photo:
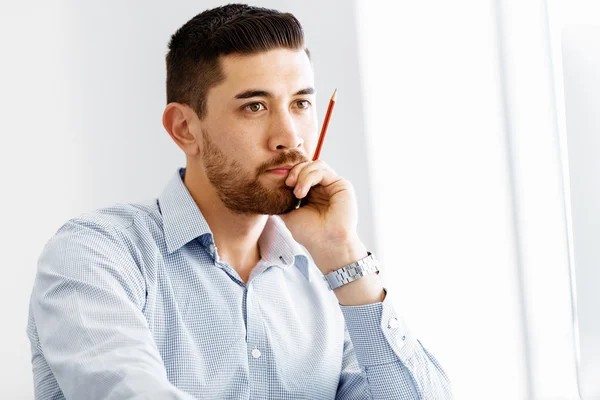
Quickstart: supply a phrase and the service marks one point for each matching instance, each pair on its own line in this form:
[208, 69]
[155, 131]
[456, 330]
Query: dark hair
[194, 50]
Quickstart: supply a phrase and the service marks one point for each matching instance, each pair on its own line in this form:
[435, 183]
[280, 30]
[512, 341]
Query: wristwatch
[352, 272]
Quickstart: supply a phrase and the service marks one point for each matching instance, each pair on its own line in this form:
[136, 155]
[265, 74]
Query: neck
[235, 235]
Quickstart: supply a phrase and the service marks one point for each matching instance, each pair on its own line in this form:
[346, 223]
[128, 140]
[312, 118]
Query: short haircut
[194, 50]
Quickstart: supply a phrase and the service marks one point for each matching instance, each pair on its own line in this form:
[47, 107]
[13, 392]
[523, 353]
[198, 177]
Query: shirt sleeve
[383, 360]
[87, 304]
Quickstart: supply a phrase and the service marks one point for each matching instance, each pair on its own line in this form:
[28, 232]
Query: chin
[286, 209]
[280, 203]
[261, 199]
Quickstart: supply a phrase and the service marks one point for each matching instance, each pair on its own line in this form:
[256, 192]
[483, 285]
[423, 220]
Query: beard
[242, 192]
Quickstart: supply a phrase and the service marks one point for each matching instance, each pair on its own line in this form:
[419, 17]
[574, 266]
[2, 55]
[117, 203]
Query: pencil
[325, 125]
[303, 201]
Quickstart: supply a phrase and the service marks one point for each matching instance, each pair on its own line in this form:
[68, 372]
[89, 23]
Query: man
[215, 289]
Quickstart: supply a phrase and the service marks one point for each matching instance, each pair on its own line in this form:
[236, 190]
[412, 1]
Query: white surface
[574, 32]
[581, 67]
[440, 99]
[436, 143]
[539, 203]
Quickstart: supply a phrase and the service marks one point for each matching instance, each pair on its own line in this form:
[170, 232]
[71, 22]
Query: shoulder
[96, 253]
[115, 220]
[116, 230]
[118, 217]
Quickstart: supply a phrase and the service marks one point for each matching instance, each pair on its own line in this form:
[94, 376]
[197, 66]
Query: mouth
[281, 170]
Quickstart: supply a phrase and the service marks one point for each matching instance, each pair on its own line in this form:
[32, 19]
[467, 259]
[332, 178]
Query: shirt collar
[182, 219]
[183, 222]
[278, 247]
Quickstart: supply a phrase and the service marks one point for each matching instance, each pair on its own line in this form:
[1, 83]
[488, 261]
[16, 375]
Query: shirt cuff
[379, 335]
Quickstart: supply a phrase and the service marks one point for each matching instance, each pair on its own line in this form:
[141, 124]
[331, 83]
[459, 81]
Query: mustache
[290, 157]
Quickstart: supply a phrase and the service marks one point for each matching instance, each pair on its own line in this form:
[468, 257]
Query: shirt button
[400, 341]
[393, 323]
[256, 353]
[211, 247]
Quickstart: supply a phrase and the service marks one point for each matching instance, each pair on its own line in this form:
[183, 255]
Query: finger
[306, 180]
[316, 173]
[293, 174]
[302, 183]
[329, 175]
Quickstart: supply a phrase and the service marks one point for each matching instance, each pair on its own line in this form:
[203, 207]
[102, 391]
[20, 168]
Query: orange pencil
[303, 201]
[325, 125]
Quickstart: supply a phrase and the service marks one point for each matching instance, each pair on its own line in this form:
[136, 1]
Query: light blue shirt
[133, 301]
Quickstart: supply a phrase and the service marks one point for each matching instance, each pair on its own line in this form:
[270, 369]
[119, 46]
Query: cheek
[311, 134]
[244, 153]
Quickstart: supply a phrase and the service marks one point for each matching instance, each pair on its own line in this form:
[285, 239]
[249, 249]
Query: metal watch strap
[352, 272]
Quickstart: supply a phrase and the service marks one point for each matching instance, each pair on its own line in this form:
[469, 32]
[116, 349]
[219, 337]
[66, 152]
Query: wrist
[335, 255]
[366, 290]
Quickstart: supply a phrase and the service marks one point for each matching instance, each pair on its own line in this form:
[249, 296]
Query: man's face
[261, 116]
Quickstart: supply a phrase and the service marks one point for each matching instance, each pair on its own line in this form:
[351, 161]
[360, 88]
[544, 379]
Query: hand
[327, 224]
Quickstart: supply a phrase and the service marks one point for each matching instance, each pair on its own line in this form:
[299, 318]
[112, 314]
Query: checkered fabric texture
[133, 301]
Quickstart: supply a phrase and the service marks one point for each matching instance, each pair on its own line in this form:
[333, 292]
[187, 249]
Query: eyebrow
[263, 93]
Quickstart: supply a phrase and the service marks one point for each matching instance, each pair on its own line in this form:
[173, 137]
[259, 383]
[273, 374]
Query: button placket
[254, 329]
[257, 349]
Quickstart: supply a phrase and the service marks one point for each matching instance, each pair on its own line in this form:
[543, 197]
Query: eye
[303, 104]
[254, 107]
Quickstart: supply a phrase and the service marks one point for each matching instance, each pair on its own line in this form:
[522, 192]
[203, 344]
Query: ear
[182, 124]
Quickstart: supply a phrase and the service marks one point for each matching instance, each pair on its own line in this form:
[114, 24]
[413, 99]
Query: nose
[284, 134]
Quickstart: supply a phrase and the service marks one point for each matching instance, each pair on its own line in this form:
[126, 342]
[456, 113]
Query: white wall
[581, 65]
[468, 206]
[82, 98]
[575, 37]
[435, 125]
[42, 168]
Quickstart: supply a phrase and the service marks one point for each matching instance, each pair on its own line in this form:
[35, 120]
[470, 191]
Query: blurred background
[470, 130]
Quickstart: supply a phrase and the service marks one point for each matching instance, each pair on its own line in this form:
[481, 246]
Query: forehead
[275, 70]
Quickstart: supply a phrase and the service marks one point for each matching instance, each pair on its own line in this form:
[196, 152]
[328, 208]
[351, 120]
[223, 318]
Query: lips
[282, 168]
[281, 171]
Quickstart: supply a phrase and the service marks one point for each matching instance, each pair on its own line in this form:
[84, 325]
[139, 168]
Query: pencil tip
[334, 97]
